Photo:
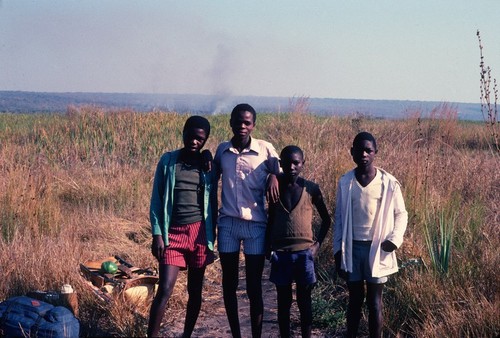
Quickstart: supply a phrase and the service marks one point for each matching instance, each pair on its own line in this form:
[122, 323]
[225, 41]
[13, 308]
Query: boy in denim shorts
[182, 213]
[370, 221]
[290, 237]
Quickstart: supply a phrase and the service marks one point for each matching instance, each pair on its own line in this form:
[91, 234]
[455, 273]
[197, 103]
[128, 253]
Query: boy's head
[195, 133]
[242, 121]
[292, 160]
[243, 107]
[364, 136]
[364, 149]
[198, 122]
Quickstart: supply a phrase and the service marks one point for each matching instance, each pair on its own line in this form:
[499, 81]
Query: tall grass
[76, 187]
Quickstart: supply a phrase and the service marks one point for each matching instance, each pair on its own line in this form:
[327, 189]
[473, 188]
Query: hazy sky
[405, 50]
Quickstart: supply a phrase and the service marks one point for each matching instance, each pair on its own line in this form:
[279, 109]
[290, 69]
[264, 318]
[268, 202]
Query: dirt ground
[212, 321]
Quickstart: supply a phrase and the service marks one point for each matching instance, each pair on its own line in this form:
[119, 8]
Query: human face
[194, 139]
[292, 165]
[363, 153]
[242, 125]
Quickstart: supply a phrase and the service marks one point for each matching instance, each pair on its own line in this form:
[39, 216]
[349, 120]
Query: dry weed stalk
[488, 99]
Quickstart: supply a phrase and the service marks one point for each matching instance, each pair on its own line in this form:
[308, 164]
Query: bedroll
[23, 316]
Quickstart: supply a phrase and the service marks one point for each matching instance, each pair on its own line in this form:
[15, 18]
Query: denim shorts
[290, 266]
[232, 231]
[361, 264]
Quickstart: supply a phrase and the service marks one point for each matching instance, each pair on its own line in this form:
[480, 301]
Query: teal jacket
[162, 198]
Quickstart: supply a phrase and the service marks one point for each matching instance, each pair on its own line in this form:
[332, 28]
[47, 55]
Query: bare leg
[356, 298]
[284, 305]
[195, 287]
[254, 265]
[168, 276]
[229, 263]
[375, 315]
[305, 309]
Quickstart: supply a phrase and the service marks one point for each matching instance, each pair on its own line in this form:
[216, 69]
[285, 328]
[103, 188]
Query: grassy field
[75, 187]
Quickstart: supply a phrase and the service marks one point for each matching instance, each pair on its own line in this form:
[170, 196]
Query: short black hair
[364, 136]
[243, 107]
[198, 122]
[288, 150]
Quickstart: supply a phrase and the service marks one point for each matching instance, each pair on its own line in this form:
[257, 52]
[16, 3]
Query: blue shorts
[361, 264]
[289, 266]
[232, 231]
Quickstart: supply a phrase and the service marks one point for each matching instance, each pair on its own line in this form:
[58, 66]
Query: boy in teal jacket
[182, 213]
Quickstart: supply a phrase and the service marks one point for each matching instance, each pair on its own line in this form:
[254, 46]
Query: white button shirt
[244, 177]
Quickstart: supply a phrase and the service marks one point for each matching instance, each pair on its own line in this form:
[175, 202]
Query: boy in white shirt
[370, 221]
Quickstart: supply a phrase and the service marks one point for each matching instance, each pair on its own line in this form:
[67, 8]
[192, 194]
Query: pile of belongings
[113, 277]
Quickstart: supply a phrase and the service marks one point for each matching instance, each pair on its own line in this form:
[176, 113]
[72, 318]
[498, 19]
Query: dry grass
[76, 187]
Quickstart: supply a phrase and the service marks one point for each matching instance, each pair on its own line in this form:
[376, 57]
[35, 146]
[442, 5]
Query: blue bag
[23, 316]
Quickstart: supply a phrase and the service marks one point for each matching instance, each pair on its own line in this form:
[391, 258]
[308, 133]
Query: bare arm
[273, 167]
[272, 190]
[326, 221]
[269, 228]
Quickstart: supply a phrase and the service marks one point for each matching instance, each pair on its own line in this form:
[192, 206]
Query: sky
[422, 50]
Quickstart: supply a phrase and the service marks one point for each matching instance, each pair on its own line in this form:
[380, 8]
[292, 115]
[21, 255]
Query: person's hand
[157, 247]
[388, 246]
[338, 266]
[273, 190]
[315, 249]
[206, 160]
